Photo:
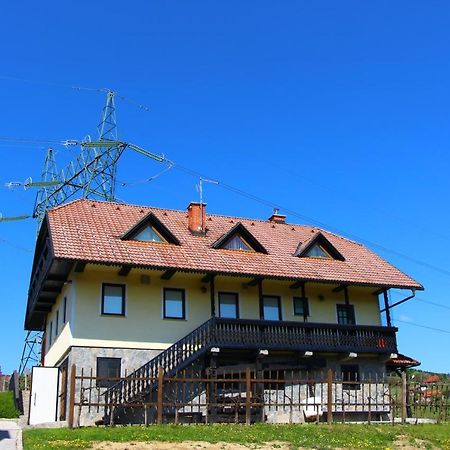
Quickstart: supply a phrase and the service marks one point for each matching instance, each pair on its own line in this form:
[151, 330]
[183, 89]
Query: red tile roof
[91, 231]
[403, 361]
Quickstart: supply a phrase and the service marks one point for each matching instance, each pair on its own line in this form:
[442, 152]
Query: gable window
[237, 243]
[174, 304]
[239, 238]
[108, 371]
[350, 376]
[228, 305]
[317, 251]
[272, 307]
[150, 229]
[113, 299]
[301, 307]
[345, 314]
[318, 247]
[148, 234]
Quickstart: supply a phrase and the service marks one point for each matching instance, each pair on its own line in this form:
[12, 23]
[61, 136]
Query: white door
[44, 395]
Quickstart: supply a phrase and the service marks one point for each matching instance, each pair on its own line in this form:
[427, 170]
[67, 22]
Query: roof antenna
[199, 188]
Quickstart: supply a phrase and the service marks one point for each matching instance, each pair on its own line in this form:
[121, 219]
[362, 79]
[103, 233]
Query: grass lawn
[7, 408]
[307, 436]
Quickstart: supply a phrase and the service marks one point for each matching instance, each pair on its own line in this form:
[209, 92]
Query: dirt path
[188, 445]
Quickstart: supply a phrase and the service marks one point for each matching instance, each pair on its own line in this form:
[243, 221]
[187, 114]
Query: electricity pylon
[91, 175]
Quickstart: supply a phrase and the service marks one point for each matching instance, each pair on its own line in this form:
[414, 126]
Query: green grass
[309, 436]
[7, 408]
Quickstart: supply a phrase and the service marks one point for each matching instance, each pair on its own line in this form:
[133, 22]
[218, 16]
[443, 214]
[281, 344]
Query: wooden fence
[248, 396]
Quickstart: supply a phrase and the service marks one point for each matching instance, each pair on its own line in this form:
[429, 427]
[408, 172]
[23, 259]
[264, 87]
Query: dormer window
[317, 251]
[237, 243]
[239, 238]
[148, 234]
[150, 229]
[318, 247]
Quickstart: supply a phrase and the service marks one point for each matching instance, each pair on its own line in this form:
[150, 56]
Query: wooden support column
[261, 299]
[213, 365]
[347, 301]
[213, 295]
[71, 396]
[386, 307]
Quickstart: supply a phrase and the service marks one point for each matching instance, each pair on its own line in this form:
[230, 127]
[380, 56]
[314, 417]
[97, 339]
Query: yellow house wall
[62, 338]
[143, 326]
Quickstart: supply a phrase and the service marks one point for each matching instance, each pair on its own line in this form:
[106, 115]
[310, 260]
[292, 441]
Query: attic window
[150, 229]
[148, 234]
[237, 243]
[239, 238]
[318, 247]
[317, 251]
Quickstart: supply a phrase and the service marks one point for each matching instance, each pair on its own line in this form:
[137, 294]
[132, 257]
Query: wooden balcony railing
[252, 334]
[282, 335]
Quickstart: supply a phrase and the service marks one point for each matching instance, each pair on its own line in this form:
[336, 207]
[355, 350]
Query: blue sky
[339, 111]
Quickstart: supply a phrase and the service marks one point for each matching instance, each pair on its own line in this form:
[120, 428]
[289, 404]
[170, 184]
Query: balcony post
[386, 307]
[261, 299]
[213, 295]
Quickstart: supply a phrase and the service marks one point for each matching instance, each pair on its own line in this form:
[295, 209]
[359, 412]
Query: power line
[433, 303]
[315, 221]
[424, 326]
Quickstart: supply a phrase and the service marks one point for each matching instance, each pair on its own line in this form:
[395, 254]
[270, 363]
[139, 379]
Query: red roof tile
[91, 231]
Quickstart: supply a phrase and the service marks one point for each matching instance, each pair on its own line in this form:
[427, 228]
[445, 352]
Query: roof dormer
[150, 229]
[239, 238]
[318, 247]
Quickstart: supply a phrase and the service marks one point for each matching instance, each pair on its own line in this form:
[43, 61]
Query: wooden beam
[208, 277]
[80, 265]
[51, 289]
[56, 277]
[297, 284]
[340, 288]
[261, 299]
[380, 291]
[168, 274]
[213, 296]
[255, 281]
[386, 307]
[124, 271]
[43, 308]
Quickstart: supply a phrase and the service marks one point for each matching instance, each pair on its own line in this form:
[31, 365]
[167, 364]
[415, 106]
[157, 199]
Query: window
[65, 310]
[272, 307]
[228, 305]
[113, 299]
[148, 234]
[174, 304]
[317, 251]
[345, 314]
[301, 307]
[239, 238]
[350, 376]
[57, 323]
[237, 243]
[50, 332]
[109, 370]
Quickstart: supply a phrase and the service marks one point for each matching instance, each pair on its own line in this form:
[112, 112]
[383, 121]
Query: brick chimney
[276, 217]
[197, 217]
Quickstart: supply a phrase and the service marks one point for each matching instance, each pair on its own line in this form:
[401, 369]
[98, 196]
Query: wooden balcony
[301, 336]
